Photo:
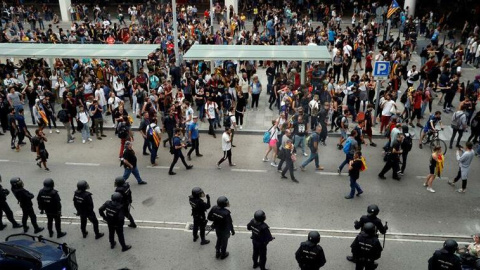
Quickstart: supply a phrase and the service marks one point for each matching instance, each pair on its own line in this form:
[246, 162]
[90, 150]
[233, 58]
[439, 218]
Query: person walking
[130, 163]
[261, 236]
[313, 142]
[113, 212]
[211, 108]
[49, 202]
[5, 208]
[193, 138]
[142, 128]
[153, 135]
[464, 158]
[393, 159]
[223, 224]
[227, 148]
[83, 120]
[459, 125]
[272, 143]
[24, 198]
[300, 130]
[289, 157]
[64, 117]
[199, 206]
[350, 147]
[255, 88]
[407, 145]
[355, 166]
[38, 142]
[83, 202]
[435, 167]
[176, 150]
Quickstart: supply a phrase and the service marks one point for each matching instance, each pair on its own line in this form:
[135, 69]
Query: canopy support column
[64, 12]
[302, 73]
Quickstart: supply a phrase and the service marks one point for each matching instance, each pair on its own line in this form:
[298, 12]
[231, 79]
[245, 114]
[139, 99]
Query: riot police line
[366, 248]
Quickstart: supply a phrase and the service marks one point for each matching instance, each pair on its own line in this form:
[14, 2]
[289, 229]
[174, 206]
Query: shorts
[368, 69]
[332, 42]
[368, 131]
[358, 60]
[273, 142]
[432, 169]
[344, 134]
[418, 113]
[43, 155]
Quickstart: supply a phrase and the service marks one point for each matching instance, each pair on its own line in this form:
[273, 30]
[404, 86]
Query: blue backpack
[267, 136]
[346, 147]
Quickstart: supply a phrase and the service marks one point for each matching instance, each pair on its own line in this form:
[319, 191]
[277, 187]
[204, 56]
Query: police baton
[211, 229]
[384, 235]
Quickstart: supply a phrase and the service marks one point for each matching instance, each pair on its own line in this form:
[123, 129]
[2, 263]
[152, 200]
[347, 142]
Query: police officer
[82, 200]
[223, 224]
[113, 212]
[366, 248]
[261, 236]
[445, 258]
[123, 188]
[24, 198]
[49, 202]
[198, 212]
[310, 255]
[372, 211]
[5, 208]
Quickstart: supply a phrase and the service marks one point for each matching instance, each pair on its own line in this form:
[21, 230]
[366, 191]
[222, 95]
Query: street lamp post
[175, 33]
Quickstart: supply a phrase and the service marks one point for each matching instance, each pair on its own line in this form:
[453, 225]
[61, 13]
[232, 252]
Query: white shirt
[83, 117]
[119, 88]
[347, 49]
[387, 106]
[226, 142]
[211, 108]
[114, 101]
[100, 96]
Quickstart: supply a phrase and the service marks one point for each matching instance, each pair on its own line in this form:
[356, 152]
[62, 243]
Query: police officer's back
[83, 202]
[113, 212]
[5, 208]
[223, 224]
[445, 258]
[49, 202]
[123, 188]
[366, 248]
[261, 236]
[199, 206]
[373, 211]
[24, 198]
[310, 255]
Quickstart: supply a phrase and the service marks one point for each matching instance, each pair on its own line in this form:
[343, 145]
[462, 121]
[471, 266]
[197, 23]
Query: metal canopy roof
[107, 51]
[257, 52]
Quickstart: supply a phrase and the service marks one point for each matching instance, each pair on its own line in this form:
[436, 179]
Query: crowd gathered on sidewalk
[169, 100]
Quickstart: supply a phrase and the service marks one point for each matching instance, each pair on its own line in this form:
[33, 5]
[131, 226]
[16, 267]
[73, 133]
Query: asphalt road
[315, 203]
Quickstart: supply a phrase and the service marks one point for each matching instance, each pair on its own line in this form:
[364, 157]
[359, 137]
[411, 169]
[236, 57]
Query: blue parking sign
[381, 70]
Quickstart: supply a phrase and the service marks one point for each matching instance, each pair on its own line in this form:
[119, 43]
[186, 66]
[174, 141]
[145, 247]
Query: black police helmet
[117, 197]
[450, 245]
[82, 185]
[119, 181]
[259, 216]
[369, 228]
[48, 183]
[314, 237]
[373, 209]
[222, 201]
[16, 182]
[197, 192]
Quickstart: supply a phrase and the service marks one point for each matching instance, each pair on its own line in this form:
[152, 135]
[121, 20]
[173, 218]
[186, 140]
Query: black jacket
[366, 247]
[24, 197]
[441, 259]
[310, 256]
[199, 207]
[373, 219]
[260, 232]
[49, 201]
[83, 202]
[113, 213]
[222, 220]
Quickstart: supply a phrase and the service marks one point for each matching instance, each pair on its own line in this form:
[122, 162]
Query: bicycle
[434, 140]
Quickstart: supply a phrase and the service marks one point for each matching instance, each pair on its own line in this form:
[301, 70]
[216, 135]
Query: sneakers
[241, 127]
[451, 183]
[90, 139]
[373, 144]
[274, 164]
[83, 141]
[461, 190]
[70, 141]
[319, 168]
[218, 166]
[339, 171]
[57, 131]
[265, 160]
[302, 168]
[305, 154]
[430, 189]
[189, 167]
[425, 184]
[50, 131]
[283, 177]
[232, 164]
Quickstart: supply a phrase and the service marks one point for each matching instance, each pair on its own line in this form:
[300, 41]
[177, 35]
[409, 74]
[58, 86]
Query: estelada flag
[393, 8]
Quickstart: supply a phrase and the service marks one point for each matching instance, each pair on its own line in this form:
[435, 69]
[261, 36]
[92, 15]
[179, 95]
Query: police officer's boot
[85, 233]
[217, 254]
[17, 225]
[224, 255]
[195, 238]
[204, 242]
[25, 229]
[38, 229]
[351, 259]
[125, 248]
[99, 235]
[61, 234]
[2, 226]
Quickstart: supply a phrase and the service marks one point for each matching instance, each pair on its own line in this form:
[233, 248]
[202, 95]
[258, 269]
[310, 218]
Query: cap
[195, 117]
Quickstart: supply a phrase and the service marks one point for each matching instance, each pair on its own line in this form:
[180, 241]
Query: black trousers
[365, 265]
[458, 177]
[28, 212]
[226, 155]
[255, 98]
[146, 145]
[404, 160]
[222, 242]
[460, 135]
[210, 126]
[4, 208]
[169, 139]
[13, 134]
[195, 147]
[50, 219]
[112, 229]
[175, 159]
[239, 118]
[199, 224]
[259, 252]
[128, 215]
[83, 222]
[391, 164]
[288, 167]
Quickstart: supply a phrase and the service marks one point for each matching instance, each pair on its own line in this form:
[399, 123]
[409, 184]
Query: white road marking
[248, 170]
[332, 173]
[82, 164]
[439, 178]
[4, 160]
[161, 167]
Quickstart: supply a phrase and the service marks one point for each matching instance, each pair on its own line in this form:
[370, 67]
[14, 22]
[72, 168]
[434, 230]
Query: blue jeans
[300, 141]
[134, 171]
[354, 186]
[85, 131]
[17, 109]
[313, 156]
[348, 157]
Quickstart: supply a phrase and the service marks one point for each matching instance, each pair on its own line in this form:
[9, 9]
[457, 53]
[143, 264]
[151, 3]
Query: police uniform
[373, 219]
[261, 236]
[24, 198]
[83, 202]
[366, 249]
[444, 260]
[199, 220]
[113, 213]
[127, 200]
[310, 256]
[4, 208]
[49, 201]
[223, 224]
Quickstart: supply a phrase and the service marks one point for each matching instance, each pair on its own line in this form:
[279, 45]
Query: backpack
[347, 146]
[309, 141]
[456, 120]
[407, 143]
[122, 130]
[34, 143]
[62, 116]
[267, 136]
[404, 96]
[338, 121]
